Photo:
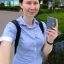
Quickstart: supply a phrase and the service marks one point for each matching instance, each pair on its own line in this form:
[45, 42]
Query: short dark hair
[20, 1]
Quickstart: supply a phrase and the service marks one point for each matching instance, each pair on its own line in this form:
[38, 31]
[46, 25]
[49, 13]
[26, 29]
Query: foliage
[56, 3]
[9, 3]
[8, 8]
[45, 1]
[61, 6]
[59, 14]
[43, 6]
[2, 4]
[57, 54]
[47, 11]
[42, 11]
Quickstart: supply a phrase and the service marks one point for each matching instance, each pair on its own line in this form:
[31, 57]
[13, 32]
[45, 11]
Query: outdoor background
[10, 10]
[5, 17]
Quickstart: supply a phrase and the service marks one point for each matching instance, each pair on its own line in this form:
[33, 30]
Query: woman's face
[30, 7]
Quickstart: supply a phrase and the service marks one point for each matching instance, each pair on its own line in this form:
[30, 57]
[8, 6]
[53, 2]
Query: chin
[32, 15]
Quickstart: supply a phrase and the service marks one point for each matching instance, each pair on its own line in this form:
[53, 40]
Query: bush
[43, 11]
[61, 6]
[59, 10]
[60, 37]
[43, 6]
[57, 55]
[2, 4]
[15, 8]
[47, 11]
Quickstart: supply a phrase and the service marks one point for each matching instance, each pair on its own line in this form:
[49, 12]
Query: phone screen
[51, 22]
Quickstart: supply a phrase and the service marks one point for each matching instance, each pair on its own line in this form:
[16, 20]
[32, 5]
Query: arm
[51, 35]
[8, 37]
[47, 48]
[5, 48]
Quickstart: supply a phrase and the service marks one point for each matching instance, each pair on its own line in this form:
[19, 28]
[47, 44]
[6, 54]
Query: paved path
[5, 17]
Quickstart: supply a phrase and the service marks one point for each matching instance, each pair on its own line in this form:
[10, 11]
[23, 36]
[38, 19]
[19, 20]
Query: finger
[55, 29]
[52, 31]
[53, 34]
[56, 23]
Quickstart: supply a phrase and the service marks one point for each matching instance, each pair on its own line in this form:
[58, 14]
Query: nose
[32, 6]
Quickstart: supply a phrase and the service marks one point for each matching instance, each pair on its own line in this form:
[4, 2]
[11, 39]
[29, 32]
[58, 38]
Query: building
[11, 2]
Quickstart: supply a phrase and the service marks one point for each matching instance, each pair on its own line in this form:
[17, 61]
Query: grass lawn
[56, 57]
[58, 15]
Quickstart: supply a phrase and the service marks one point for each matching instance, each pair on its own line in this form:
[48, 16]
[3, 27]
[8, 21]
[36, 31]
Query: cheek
[37, 8]
[25, 8]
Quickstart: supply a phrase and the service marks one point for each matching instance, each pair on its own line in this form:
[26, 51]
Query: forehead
[30, 0]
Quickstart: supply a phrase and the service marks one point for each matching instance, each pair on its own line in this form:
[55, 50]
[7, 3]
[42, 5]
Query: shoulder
[10, 26]
[9, 33]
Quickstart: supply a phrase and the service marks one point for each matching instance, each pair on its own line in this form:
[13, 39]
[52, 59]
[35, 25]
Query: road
[5, 17]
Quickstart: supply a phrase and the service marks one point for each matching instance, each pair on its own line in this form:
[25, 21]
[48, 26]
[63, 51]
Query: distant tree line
[54, 2]
[2, 4]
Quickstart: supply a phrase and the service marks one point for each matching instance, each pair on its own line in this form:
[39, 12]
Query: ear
[21, 5]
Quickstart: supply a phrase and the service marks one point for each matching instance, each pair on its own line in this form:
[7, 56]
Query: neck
[28, 20]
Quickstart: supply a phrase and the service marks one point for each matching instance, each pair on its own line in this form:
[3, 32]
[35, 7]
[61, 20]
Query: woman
[32, 43]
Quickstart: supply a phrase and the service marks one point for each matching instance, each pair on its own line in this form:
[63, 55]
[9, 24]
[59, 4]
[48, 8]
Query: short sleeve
[45, 28]
[9, 33]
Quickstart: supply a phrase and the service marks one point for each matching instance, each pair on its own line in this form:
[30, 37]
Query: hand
[52, 34]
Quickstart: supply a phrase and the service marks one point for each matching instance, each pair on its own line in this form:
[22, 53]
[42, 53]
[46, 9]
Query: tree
[2, 4]
[8, 3]
[56, 3]
[45, 1]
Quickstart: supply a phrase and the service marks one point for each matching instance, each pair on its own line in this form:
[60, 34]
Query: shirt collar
[22, 22]
[36, 21]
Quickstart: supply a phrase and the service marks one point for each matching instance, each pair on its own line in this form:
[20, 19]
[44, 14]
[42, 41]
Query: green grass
[58, 15]
[55, 57]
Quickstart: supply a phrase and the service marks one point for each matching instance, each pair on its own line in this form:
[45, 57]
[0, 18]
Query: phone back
[51, 22]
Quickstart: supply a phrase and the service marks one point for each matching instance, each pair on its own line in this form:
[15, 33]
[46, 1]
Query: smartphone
[51, 22]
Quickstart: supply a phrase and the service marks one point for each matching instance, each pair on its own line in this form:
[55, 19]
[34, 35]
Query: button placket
[35, 49]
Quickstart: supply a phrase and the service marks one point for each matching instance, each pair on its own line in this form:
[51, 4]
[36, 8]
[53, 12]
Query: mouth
[31, 12]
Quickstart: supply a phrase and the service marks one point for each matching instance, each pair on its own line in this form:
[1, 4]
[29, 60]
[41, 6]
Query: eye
[36, 3]
[28, 2]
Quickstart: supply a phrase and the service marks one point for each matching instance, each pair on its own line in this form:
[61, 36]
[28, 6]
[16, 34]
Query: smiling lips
[31, 12]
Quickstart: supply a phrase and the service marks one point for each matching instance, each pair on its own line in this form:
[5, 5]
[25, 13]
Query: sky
[9, 0]
[16, 2]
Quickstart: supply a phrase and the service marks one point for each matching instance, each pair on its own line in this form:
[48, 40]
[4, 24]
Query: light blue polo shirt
[30, 43]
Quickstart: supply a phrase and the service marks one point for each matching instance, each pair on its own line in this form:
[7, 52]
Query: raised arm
[52, 34]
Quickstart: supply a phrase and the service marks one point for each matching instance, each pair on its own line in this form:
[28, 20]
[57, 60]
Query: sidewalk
[5, 17]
